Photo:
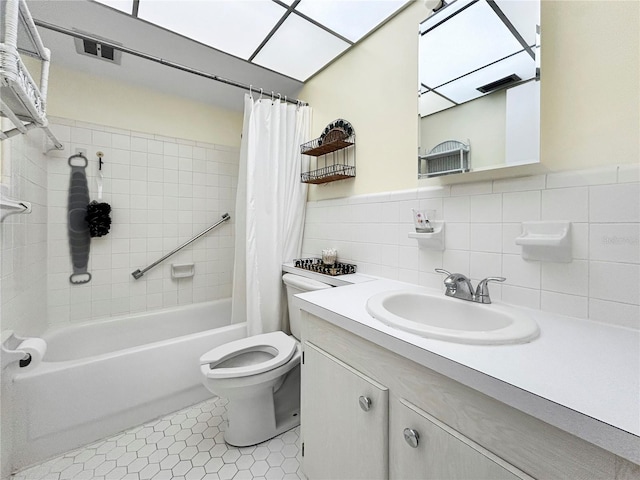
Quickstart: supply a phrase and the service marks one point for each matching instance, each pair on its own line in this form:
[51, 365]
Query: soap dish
[433, 240]
[546, 241]
[182, 270]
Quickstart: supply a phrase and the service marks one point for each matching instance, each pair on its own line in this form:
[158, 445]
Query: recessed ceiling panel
[444, 13]
[237, 27]
[430, 103]
[465, 88]
[299, 49]
[125, 6]
[524, 15]
[352, 19]
[464, 43]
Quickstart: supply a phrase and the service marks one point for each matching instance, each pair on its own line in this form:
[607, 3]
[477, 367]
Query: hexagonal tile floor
[186, 445]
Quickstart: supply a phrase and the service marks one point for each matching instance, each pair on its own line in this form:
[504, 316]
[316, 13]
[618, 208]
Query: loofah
[98, 218]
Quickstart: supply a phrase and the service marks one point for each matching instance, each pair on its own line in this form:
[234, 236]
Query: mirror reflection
[479, 89]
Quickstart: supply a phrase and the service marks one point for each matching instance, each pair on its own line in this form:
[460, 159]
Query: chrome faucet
[459, 286]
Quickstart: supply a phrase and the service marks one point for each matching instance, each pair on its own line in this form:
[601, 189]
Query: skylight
[125, 6]
[294, 37]
[236, 27]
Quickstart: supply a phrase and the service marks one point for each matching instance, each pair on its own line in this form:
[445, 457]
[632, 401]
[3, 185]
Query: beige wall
[482, 121]
[374, 86]
[90, 98]
[590, 89]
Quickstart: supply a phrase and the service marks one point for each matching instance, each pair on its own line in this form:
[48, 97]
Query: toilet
[260, 376]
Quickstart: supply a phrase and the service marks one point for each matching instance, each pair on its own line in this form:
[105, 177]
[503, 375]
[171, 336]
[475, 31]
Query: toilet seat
[278, 344]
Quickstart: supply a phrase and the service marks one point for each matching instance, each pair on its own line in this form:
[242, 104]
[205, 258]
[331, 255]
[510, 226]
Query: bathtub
[99, 378]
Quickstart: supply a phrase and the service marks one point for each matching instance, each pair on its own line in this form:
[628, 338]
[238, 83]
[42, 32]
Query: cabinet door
[438, 452]
[344, 420]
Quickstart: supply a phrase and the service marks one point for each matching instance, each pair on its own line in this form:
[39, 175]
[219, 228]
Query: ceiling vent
[498, 84]
[95, 49]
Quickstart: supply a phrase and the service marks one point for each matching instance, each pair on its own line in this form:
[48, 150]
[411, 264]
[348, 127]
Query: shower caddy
[21, 101]
[334, 152]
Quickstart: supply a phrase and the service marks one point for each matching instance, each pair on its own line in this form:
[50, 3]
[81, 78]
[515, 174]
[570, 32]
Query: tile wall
[24, 237]
[482, 221]
[23, 253]
[162, 192]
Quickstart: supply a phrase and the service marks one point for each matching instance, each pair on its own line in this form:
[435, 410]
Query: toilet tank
[298, 284]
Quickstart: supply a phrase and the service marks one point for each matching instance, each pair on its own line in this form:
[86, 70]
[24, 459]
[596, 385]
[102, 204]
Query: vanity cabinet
[423, 447]
[345, 420]
[461, 432]
[351, 429]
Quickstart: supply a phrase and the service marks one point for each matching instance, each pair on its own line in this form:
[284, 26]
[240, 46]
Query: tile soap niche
[182, 270]
[546, 241]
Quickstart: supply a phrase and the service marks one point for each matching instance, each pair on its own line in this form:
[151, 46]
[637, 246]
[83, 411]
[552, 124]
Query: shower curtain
[270, 208]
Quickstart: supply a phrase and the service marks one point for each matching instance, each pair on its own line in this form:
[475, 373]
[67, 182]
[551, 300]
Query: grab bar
[13, 206]
[139, 273]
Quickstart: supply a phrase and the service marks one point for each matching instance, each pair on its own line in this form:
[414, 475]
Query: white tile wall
[23, 251]
[481, 223]
[24, 237]
[566, 204]
[486, 208]
[162, 192]
[615, 203]
[615, 242]
[521, 206]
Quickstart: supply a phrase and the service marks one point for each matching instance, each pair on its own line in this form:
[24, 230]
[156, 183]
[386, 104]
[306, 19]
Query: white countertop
[579, 375]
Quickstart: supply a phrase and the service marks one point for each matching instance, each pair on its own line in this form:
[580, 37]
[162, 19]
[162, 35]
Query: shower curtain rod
[146, 56]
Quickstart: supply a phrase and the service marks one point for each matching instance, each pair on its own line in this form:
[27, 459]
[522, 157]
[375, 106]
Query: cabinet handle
[411, 437]
[365, 403]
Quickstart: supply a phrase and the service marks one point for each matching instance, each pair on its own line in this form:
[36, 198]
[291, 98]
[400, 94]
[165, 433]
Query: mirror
[479, 88]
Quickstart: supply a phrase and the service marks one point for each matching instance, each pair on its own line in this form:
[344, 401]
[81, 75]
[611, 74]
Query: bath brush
[79, 238]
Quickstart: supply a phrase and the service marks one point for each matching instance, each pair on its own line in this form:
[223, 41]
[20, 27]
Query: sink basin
[452, 319]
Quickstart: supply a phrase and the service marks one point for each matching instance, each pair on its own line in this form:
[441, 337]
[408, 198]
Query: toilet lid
[277, 347]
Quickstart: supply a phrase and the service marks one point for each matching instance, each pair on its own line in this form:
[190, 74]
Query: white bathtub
[99, 378]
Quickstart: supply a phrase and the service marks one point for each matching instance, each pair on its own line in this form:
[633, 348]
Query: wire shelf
[445, 158]
[316, 147]
[329, 173]
[335, 160]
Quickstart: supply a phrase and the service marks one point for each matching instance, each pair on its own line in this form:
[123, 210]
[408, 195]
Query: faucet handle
[457, 285]
[482, 291]
[449, 282]
[442, 270]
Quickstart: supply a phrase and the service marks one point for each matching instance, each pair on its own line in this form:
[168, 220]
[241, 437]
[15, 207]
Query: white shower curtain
[270, 206]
